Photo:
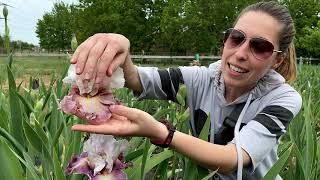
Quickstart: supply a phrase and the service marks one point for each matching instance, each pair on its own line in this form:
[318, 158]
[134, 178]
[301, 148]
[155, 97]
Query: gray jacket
[274, 104]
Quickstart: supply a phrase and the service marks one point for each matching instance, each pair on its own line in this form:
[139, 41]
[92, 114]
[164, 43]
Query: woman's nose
[242, 52]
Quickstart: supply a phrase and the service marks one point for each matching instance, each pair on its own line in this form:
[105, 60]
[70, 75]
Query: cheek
[225, 53]
[261, 69]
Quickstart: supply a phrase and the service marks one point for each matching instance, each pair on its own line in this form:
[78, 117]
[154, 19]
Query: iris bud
[5, 11]
[74, 43]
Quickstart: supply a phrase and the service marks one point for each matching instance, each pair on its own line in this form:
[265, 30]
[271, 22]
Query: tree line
[16, 45]
[174, 26]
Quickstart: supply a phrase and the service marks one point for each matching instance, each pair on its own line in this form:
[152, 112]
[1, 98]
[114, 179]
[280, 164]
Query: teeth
[234, 68]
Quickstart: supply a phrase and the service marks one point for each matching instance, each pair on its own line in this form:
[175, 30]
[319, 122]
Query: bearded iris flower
[102, 158]
[94, 109]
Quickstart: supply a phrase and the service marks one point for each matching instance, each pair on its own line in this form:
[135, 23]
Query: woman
[258, 64]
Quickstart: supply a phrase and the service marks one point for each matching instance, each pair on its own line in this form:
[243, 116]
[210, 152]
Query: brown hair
[288, 68]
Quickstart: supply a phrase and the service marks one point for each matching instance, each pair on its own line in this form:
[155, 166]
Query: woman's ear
[279, 59]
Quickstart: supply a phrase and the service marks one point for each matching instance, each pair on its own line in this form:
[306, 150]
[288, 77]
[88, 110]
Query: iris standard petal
[107, 148]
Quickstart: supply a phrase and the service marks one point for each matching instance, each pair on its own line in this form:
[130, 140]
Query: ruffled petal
[79, 165]
[119, 175]
[69, 105]
[107, 148]
[96, 162]
[120, 165]
[114, 175]
[95, 110]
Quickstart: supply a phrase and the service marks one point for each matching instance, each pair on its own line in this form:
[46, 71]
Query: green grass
[46, 67]
[36, 67]
[43, 65]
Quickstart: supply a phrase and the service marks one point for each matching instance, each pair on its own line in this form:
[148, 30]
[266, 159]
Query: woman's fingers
[124, 122]
[118, 117]
[82, 53]
[94, 54]
[130, 113]
[118, 60]
[101, 54]
[99, 129]
[74, 57]
[105, 59]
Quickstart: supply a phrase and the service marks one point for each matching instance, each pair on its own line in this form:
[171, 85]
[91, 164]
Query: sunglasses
[260, 48]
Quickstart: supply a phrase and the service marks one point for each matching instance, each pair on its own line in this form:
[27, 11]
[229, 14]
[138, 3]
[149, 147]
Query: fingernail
[109, 73]
[78, 70]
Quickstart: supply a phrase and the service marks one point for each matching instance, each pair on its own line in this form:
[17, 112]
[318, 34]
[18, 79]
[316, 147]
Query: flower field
[36, 141]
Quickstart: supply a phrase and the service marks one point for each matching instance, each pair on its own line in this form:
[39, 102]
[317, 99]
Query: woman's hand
[127, 121]
[105, 52]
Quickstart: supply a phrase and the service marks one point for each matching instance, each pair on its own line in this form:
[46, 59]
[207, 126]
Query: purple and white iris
[102, 158]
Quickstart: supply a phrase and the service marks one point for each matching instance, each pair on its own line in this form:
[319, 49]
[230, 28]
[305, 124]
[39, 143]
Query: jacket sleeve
[165, 83]
[159, 83]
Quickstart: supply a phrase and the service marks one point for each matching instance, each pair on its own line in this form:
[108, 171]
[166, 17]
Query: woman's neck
[232, 93]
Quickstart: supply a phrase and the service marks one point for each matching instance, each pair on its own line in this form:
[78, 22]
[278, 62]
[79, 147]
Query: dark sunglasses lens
[261, 48]
[233, 38]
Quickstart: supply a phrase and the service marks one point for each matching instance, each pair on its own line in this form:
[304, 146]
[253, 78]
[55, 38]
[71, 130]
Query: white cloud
[24, 15]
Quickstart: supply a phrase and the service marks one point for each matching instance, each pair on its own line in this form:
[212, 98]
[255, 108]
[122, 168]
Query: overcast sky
[24, 15]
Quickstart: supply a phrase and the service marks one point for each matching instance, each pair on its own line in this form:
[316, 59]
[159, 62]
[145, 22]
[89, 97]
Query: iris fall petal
[93, 109]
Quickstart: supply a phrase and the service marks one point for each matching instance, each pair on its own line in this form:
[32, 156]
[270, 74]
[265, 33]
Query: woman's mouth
[237, 69]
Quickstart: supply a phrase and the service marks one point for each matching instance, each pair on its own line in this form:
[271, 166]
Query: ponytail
[288, 68]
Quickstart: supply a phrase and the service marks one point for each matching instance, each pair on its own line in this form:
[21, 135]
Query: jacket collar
[267, 83]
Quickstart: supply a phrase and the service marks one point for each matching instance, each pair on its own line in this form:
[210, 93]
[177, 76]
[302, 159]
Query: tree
[197, 26]
[54, 29]
[311, 40]
[20, 45]
[127, 17]
[188, 26]
[305, 14]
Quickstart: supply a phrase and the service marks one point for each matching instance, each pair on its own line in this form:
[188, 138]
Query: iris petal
[79, 164]
[114, 175]
[68, 105]
[93, 109]
[107, 148]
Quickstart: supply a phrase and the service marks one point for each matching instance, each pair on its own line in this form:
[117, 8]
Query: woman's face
[240, 67]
